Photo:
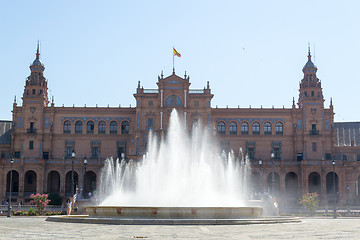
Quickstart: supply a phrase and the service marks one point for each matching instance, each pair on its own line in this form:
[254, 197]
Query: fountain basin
[125, 212]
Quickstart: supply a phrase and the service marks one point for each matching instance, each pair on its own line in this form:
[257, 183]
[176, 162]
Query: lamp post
[260, 164]
[272, 155]
[9, 204]
[73, 155]
[348, 198]
[333, 164]
[85, 162]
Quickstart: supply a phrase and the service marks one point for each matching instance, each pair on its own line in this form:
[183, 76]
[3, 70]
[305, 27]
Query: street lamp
[333, 164]
[73, 155]
[272, 156]
[85, 162]
[260, 164]
[348, 198]
[9, 204]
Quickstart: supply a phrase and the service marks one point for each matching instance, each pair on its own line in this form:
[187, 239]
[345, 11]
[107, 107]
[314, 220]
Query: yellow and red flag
[176, 53]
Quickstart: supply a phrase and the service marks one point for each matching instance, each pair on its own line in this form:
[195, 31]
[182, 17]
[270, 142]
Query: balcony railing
[196, 91]
[314, 132]
[31, 130]
[151, 91]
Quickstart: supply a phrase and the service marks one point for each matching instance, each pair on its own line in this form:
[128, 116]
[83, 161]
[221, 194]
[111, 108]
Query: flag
[176, 53]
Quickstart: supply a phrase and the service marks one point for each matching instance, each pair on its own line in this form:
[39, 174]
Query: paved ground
[309, 228]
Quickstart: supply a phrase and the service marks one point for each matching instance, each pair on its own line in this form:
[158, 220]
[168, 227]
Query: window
[328, 156]
[196, 103]
[256, 128]
[29, 179]
[312, 93]
[345, 157]
[233, 128]
[244, 128]
[279, 128]
[17, 155]
[299, 124]
[125, 127]
[250, 153]
[90, 127]
[113, 127]
[68, 151]
[276, 152]
[45, 155]
[67, 126]
[150, 123]
[31, 145]
[314, 146]
[358, 157]
[151, 103]
[221, 128]
[33, 91]
[102, 127]
[313, 130]
[78, 127]
[267, 128]
[95, 152]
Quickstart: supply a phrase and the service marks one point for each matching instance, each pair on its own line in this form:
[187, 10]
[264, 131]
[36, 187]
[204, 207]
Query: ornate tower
[310, 86]
[36, 84]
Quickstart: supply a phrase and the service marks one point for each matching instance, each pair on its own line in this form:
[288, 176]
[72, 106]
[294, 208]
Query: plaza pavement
[309, 228]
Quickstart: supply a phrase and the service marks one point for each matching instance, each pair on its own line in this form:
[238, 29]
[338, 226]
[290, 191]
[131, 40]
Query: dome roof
[309, 64]
[37, 62]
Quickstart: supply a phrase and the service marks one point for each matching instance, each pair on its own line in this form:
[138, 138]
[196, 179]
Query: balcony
[314, 132]
[196, 91]
[31, 130]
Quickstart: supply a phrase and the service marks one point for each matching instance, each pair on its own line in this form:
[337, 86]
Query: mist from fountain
[179, 170]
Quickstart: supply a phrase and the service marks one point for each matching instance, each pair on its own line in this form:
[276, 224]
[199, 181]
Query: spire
[293, 101]
[38, 50]
[309, 54]
[331, 102]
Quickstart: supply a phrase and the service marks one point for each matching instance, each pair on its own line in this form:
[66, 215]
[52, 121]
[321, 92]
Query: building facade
[291, 150]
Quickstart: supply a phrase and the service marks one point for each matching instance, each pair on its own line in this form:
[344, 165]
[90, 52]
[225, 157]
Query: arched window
[244, 128]
[221, 128]
[233, 128]
[267, 128]
[256, 128]
[78, 127]
[67, 126]
[125, 127]
[102, 127]
[90, 127]
[113, 127]
[279, 128]
[173, 100]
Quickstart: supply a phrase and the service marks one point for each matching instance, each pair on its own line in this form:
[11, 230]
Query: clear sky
[252, 52]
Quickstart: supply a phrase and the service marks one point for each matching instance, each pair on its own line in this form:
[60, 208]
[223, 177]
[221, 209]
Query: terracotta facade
[301, 138]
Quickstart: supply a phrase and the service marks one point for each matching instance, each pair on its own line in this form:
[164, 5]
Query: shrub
[311, 202]
[40, 201]
[55, 198]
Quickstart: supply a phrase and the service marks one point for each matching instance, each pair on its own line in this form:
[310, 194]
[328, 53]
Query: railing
[314, 132]
[151, 91]
[13, 194]
[196, 91]
[31, 130]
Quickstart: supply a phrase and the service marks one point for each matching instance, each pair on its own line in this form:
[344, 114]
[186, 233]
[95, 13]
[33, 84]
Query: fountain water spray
[181, 170]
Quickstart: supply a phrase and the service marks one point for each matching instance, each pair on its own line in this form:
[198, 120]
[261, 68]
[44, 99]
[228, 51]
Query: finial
[185, 74]
[15, 99]
[162, 74]
[309, 54]
[331, 102]
[52, 100]
[138, 84]
[293, 101]
[173, 70]
[208, 85]
[38, 50]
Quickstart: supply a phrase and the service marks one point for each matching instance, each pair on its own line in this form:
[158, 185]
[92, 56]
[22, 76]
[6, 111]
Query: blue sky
[252, 52]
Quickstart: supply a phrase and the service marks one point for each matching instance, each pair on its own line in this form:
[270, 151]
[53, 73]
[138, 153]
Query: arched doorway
[314, 181]
[330, 187]
[68, 192]
[291, 188]
[30, 183]
[275, 182]
[53, 184]
[90, 183]
[14, 185]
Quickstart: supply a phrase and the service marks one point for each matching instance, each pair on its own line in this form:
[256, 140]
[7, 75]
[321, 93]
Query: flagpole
[173, 60]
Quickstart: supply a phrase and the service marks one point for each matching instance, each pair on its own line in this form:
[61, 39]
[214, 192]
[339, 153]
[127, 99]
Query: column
[185, 98]
[161, 120]
[161, 98]
[185, 119]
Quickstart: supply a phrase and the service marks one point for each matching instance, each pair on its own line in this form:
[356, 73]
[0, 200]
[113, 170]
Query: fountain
[183, 178]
